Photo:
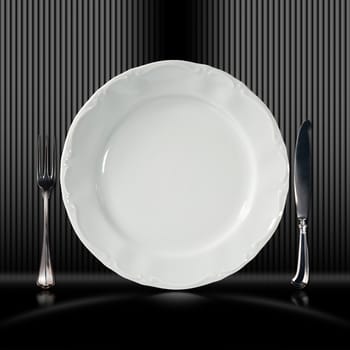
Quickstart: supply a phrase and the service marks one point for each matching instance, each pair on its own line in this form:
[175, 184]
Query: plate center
[176, 175]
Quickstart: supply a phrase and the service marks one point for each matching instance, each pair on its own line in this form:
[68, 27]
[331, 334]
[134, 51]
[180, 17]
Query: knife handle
[301, 278]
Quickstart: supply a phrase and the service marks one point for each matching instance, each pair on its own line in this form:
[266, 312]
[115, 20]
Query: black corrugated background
[294, 54]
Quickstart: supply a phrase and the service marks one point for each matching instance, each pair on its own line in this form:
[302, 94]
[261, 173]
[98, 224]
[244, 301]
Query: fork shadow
[45, 298]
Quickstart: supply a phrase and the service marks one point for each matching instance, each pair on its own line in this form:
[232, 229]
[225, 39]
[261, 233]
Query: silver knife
[302, 191]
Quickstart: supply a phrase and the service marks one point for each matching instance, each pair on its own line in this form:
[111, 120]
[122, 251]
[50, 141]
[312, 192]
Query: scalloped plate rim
[111, 264]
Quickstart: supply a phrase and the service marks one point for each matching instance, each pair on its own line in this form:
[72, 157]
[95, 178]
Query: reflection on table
[247, 311]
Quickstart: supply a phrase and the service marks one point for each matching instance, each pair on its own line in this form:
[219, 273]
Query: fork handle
[45, 278]
[301, 278]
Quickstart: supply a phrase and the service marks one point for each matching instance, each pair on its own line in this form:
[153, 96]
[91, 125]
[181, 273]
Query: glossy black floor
[238, 312]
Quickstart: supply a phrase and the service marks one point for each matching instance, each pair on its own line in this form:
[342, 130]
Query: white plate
[174, 174]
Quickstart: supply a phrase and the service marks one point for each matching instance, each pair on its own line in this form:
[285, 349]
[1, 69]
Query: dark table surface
[240, 311]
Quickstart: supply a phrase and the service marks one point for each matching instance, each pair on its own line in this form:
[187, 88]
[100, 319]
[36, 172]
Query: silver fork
[46, 180]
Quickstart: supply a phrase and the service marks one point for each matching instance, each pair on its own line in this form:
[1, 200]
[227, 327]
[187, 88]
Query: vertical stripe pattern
[294, 54]
[54, 55]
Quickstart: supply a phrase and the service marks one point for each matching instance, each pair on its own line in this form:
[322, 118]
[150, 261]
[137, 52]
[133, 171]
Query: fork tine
[46, 157]
[39, 158]
[53, 159]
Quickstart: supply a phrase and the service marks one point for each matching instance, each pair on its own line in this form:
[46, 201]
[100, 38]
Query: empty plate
[174, 174]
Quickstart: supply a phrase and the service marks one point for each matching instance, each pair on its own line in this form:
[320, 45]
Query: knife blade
[302, 191]
[302, 170]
